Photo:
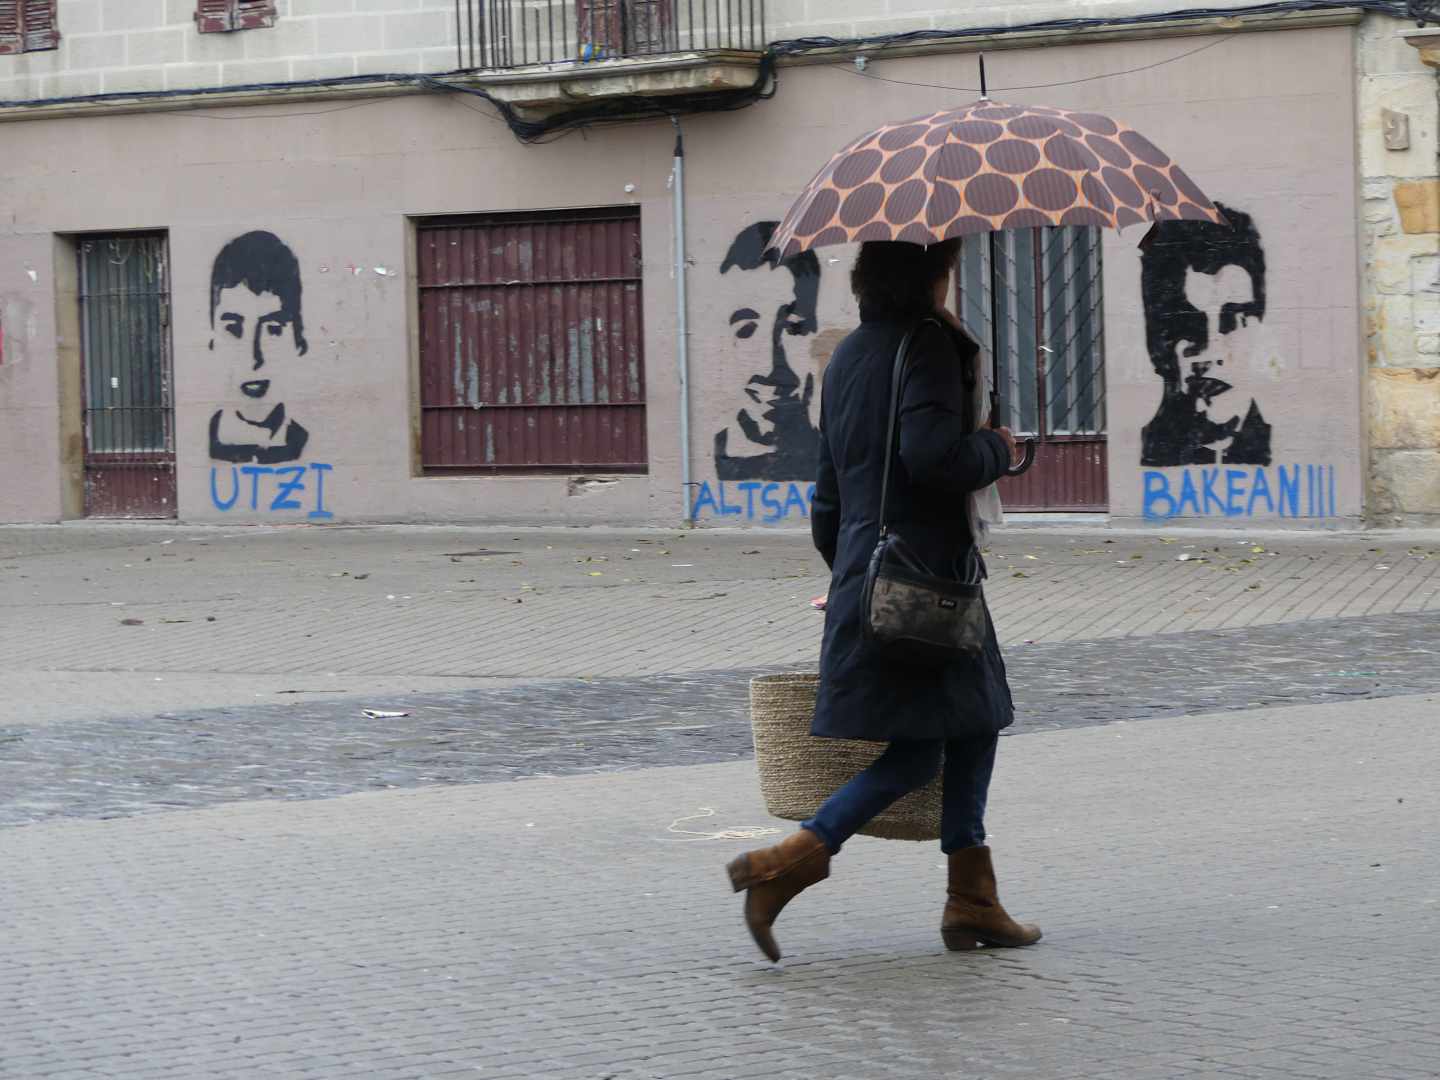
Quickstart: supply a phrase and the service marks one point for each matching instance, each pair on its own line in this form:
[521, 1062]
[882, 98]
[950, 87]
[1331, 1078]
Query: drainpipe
[682, 321]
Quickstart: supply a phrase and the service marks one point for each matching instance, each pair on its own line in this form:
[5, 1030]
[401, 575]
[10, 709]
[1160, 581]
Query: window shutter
[254, 14]
[219, 16]
[214, 16]
[9, 27]
[623, 27]
[647, 26]
[40, 28]
[600, 32]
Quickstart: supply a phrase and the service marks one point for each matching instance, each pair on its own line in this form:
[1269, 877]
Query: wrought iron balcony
[505, 35]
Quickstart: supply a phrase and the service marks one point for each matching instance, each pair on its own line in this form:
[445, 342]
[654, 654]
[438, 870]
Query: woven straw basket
[799, 771]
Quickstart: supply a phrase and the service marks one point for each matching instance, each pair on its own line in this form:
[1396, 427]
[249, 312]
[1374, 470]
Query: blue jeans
[908, 764]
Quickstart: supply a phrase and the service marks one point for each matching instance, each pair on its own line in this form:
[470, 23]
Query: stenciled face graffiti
[257, 333]
[1208, 449]
[257, 330]
[784, 439]
[1202, 284]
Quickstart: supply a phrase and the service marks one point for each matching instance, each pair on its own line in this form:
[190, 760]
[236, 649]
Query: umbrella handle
[1031, 446]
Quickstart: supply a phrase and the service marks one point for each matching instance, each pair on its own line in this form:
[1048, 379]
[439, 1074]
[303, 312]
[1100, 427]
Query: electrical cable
[799, 46]
[200, 114]
[849, 69]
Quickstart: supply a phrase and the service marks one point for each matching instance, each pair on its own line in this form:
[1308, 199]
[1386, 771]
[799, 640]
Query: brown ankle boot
[774, 876]
[973, 913]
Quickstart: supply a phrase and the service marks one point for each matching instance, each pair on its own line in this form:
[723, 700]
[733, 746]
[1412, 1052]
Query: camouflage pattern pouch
[913, 615]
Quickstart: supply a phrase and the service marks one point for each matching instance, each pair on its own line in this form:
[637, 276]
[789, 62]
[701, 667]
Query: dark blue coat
[942, 459]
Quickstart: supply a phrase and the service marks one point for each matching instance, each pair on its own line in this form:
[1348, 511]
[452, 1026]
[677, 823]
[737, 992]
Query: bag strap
[892, 433]
[892, 443]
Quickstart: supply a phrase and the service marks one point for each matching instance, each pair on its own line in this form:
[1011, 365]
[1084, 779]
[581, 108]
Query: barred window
[1033, 299]
[1050, 362]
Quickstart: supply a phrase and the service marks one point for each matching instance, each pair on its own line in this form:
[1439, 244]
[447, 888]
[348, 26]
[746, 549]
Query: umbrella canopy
[989, 166]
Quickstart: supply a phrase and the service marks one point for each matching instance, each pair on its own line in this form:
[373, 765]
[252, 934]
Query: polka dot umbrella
[985, 167]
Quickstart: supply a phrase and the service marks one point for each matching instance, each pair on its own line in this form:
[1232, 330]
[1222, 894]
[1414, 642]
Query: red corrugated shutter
[219, 16]
[532, 343]
[9, 27]
[41, 29]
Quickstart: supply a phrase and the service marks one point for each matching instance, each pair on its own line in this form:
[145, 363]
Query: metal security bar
[125, 346]
[1049, 357]
[998, 306]
[1032, 298]
[496, 35]
[1074, 331]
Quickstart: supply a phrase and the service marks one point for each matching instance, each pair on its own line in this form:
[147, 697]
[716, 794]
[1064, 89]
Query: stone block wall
[119, 46]
[1400, 278]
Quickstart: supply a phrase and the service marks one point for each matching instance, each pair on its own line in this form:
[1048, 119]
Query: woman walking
[955, 711]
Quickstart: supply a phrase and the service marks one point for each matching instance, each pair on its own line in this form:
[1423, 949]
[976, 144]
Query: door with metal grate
[1043, 289]
[531, 344]
[129, 419]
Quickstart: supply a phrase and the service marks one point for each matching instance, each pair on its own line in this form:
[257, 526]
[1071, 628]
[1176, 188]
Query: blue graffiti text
[271, 488]
[753, 500]
[1289, 491]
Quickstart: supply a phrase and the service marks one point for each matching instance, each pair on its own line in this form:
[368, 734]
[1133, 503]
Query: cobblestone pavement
[316, 749]
[1228, 890]
[91, 617]
[1253, 895]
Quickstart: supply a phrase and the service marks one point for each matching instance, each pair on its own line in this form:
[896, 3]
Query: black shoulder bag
[909, 613]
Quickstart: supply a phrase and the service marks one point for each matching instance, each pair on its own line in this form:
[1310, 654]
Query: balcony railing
[498, 35]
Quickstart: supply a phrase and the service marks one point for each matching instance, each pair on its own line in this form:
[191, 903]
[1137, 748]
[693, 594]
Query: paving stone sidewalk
[323, 748]
[1249, 894]
[1252, 896]
[316, 608]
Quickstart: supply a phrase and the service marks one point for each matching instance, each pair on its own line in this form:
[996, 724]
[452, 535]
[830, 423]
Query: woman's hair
[896, 281]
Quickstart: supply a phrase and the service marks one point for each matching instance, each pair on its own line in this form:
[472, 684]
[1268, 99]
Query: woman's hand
[1009, 437]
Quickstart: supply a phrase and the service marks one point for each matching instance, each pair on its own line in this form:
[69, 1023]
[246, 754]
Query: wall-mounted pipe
[682, 319]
